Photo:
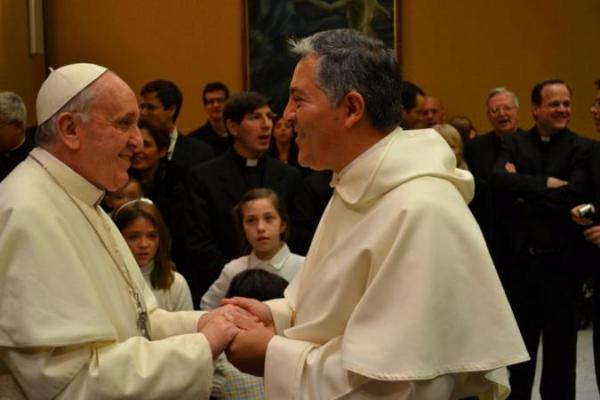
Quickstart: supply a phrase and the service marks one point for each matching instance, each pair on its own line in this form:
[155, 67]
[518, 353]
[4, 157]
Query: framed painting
[269, 24]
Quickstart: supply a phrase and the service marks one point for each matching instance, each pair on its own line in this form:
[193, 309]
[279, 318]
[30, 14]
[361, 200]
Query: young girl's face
[262, 227]
[143, 240]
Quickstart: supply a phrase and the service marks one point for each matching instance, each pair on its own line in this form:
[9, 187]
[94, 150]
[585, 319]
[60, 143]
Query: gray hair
[501, 90]
[12, 108]
[351, 61]
[79, 104]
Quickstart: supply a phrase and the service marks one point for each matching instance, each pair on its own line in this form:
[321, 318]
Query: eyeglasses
[498, 110]
[216, 100]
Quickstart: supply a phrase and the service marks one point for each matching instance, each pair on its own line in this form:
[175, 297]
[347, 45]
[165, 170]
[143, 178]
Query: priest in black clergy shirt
[215, 187]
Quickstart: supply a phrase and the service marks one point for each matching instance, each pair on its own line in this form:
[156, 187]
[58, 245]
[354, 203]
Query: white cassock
[398, 297]
[68, 321]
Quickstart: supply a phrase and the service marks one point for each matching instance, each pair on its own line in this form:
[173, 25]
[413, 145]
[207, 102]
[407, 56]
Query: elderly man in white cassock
[398, 297]
[77, 320]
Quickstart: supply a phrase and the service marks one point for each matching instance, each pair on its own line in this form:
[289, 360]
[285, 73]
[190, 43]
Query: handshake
[242, 328]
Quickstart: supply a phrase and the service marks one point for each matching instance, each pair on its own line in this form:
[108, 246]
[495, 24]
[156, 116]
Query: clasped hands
[243, 328]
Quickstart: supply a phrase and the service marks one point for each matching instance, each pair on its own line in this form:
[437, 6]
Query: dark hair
[536, 92]
[162, 275]
[349, 60]
[167, 92]
[255, 194]
[213, 87]
[159, 133]
[597, 84]
[257, 284]
[410, 91]
[240, 104]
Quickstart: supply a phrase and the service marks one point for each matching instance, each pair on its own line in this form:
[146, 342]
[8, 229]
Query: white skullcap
[62, 85]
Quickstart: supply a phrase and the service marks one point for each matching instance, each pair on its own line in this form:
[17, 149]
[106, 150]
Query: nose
[136, 142]
[143, 243]
[289, 113]
[260, 225]
[267, 122]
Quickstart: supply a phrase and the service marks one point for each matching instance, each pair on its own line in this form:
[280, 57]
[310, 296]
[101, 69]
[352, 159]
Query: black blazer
[189, 152]
[481, 154]
[212, 190]
[532, 217]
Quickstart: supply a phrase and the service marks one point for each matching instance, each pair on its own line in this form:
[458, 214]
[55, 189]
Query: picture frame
[269, 24]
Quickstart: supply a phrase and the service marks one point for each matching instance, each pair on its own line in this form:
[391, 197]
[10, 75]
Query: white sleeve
[178, 367]
[217, 291]
[301, 370]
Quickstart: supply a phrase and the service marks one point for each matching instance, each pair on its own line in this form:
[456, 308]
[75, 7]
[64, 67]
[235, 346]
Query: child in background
[131, 191]
[145, 232]
[263, 223]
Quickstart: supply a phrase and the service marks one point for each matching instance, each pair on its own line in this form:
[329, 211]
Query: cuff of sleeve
[283, 367]
[281, 312]
[165, 324]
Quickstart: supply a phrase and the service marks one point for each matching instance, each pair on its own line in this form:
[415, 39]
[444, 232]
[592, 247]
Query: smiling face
[554, 112]
[503, 113]
[149, 157]
[263, 227]
[143, 240]
[108, 134]
[316, 122]
[252, 136]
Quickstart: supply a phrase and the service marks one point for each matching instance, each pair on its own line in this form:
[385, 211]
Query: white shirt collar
[276, 262]
[173, 135]
[71, 181]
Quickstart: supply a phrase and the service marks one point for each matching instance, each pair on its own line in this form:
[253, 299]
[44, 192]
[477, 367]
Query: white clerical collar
[545, 139]
[276, 262]
[173, 135]
[71, 181]
[336, 177]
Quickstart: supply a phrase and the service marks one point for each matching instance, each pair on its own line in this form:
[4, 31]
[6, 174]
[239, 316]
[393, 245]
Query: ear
[283, 227]
[171, 110]
[67, 131]
[535, 110]
[232, 127]
[354, 108]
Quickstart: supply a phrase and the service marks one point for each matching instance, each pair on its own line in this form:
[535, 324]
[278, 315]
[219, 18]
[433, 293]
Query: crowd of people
[122, 225]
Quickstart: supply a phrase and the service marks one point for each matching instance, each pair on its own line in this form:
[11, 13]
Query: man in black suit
[538, 177]
[214, 188]
[213, 132]
[160, 106]
[15, 145]
[503, 113]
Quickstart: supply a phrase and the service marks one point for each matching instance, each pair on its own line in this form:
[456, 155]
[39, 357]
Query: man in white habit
[398, 297]
[77, 320]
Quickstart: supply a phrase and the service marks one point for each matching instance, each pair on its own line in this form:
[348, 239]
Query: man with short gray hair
[503, 113]
[15, 145]
[383, 306]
